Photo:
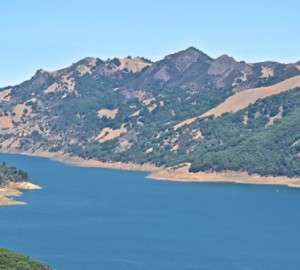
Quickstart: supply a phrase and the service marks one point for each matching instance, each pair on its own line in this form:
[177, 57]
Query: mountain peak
[225, 58]
[192, 48]
[221, 65]
[184, 59]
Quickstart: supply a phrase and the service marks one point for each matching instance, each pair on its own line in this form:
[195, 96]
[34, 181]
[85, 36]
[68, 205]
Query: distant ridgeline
[217, 114]
[10, 260]
[11, 174]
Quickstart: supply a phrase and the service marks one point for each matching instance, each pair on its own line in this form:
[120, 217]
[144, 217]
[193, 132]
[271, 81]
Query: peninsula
[12, 181]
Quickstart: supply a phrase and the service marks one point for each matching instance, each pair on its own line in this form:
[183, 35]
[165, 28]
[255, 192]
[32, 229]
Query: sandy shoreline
[4, 201]
[183, 175]
[170, 174]
[80, 162]
[13, 190]
[7, 192]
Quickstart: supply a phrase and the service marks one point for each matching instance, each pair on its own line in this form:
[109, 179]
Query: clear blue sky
[53, 34]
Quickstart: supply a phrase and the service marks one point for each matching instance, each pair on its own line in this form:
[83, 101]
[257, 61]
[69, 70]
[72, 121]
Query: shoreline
[183, 175]
[6, 192]
[80, 162]
[176, 173]
[13, 189]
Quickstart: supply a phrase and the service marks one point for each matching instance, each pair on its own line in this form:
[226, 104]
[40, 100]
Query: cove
[93, 218]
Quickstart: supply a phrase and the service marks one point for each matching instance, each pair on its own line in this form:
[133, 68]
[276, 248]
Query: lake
[93, 219]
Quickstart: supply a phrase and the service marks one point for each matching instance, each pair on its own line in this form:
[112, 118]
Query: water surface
[93, 219]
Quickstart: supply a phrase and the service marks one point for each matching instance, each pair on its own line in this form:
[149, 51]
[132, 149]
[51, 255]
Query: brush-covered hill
[218, 114]
[11, 174]
[10, 260]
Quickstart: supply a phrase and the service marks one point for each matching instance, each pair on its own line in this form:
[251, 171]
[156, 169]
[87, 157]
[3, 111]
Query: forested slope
[125, 110]
[10, 260]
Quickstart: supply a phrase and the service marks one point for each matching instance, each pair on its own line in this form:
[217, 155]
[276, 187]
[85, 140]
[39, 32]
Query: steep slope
[243, 99]
[262, 138]
[125, 109]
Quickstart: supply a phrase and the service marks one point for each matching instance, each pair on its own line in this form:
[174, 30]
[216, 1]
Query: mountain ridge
[125, 109]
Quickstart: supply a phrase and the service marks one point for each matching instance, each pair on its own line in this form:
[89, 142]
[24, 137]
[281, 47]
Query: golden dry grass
[4, 95]
[107, 134]
[51, 88]
[277, 116]
[108, 113]
[243, 99]
[149, 150]
[175, 148]
[148, 101]
[266, 72]
[19, 111]
[83, 69]
[133, 65]
[135, 113]
[196, 133]
[151, 108]
[6, 122]
[69, 82]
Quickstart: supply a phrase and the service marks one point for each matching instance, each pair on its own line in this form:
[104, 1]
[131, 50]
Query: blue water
[92, 219]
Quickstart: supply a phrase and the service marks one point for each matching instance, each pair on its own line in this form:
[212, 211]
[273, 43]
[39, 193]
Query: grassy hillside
[263, 138]
[10, 260]
[125, 110]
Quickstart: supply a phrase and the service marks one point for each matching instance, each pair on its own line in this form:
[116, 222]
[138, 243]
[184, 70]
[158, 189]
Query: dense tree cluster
[255, 146]
[12, 174]
[10, 260]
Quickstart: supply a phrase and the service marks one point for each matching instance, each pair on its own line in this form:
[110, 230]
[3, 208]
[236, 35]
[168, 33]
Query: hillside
[10, 260]
[12, 181]
[243, 99]
[11, 174]
[217, 114]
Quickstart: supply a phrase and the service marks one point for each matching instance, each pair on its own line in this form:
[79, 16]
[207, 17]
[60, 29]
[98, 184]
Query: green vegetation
[262, 138]
[255, 146]
[244, 141]
[116, 61]
[10, 260]
[12, 174]
[145, 59]
[176, 107]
